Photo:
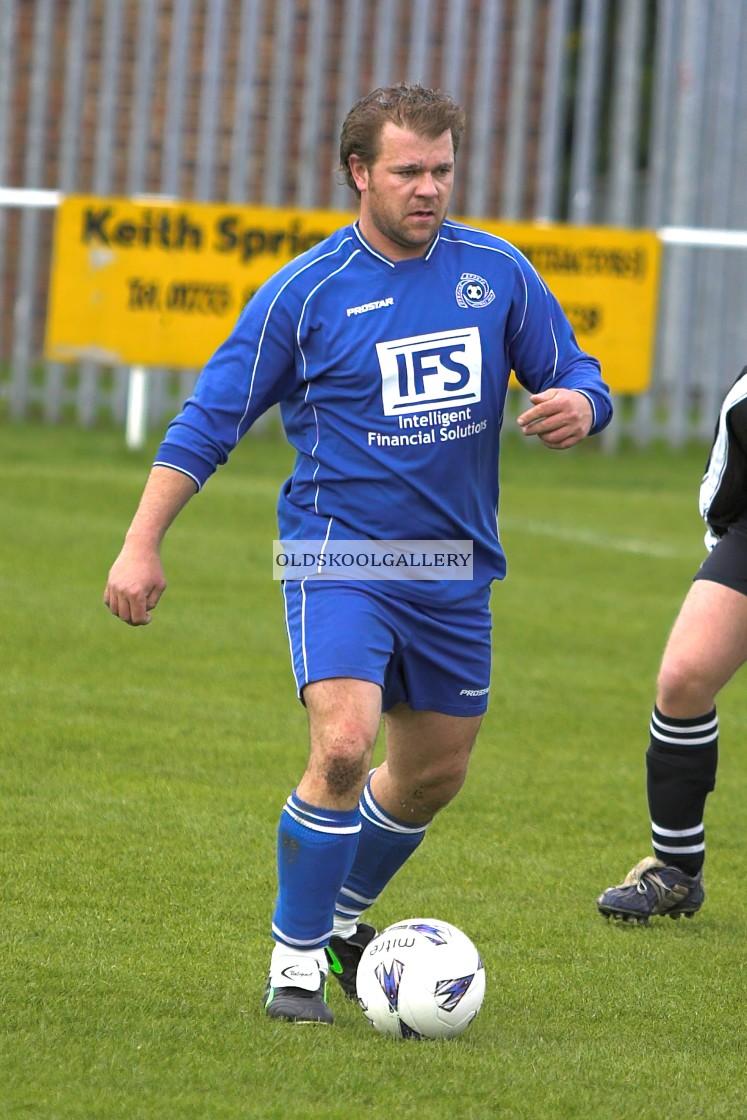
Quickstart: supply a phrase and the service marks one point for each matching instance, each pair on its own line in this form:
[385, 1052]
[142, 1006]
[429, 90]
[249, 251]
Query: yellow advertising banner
[607, 281]
[160, 283]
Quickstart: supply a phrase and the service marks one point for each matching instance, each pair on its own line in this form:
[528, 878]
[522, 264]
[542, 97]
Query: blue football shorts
[435, 659]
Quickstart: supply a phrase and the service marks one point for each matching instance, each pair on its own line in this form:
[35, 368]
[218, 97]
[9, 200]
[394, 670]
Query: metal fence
[613, 112]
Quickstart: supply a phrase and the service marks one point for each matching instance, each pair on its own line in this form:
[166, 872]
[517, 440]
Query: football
[421, 978]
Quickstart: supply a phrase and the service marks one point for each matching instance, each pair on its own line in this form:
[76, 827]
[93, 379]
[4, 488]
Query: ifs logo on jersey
[427, 370]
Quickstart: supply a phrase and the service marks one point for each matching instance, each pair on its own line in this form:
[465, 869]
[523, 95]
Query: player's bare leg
[344, 718]
[707, 645]
[317, 842]
[426, 761]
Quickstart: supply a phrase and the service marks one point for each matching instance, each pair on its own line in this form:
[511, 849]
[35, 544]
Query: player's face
[405, 193]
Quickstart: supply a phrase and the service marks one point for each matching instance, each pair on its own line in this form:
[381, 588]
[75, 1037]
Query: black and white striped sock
[681, 764]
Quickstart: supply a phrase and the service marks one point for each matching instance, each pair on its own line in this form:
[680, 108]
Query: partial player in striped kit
[707, 645]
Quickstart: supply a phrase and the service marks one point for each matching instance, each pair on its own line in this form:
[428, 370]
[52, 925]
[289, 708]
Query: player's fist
[558, 417]
[136, 583]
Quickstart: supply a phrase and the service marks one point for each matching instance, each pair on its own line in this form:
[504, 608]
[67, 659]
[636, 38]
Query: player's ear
[359, 171]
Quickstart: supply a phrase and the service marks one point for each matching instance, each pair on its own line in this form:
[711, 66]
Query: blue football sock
[384, 845]
[316, 848]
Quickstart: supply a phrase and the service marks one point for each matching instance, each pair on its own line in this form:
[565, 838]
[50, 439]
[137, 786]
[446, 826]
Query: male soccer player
[389, 347]
[707, 645]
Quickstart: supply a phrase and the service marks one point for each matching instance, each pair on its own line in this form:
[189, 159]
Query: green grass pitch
[142, 773]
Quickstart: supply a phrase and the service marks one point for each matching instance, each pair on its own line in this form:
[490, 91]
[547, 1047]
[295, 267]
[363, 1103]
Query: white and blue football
[421, 978]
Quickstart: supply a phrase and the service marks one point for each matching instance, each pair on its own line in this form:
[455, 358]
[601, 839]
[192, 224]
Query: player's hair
[427, 112]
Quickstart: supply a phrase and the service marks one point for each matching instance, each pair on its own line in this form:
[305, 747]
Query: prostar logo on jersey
[473, 291]
[430, 370]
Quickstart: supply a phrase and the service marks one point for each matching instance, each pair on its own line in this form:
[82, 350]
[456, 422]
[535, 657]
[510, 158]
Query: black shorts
[727, 561]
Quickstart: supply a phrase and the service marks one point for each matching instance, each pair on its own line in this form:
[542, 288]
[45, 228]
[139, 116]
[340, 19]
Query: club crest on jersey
[473, 291]
[430, 371]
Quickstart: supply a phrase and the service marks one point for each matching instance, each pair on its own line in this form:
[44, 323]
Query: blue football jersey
[391, 379]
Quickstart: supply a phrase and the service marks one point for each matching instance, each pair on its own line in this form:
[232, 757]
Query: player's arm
[569, 399]
[136, 580]
[253, 369]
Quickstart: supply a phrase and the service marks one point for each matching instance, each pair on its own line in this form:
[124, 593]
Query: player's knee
[684, 687]
[343, 759]
[345, 773]
[434, 791]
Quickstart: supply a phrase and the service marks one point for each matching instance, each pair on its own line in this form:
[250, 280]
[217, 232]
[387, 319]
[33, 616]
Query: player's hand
[136, 583]
[558, 417]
